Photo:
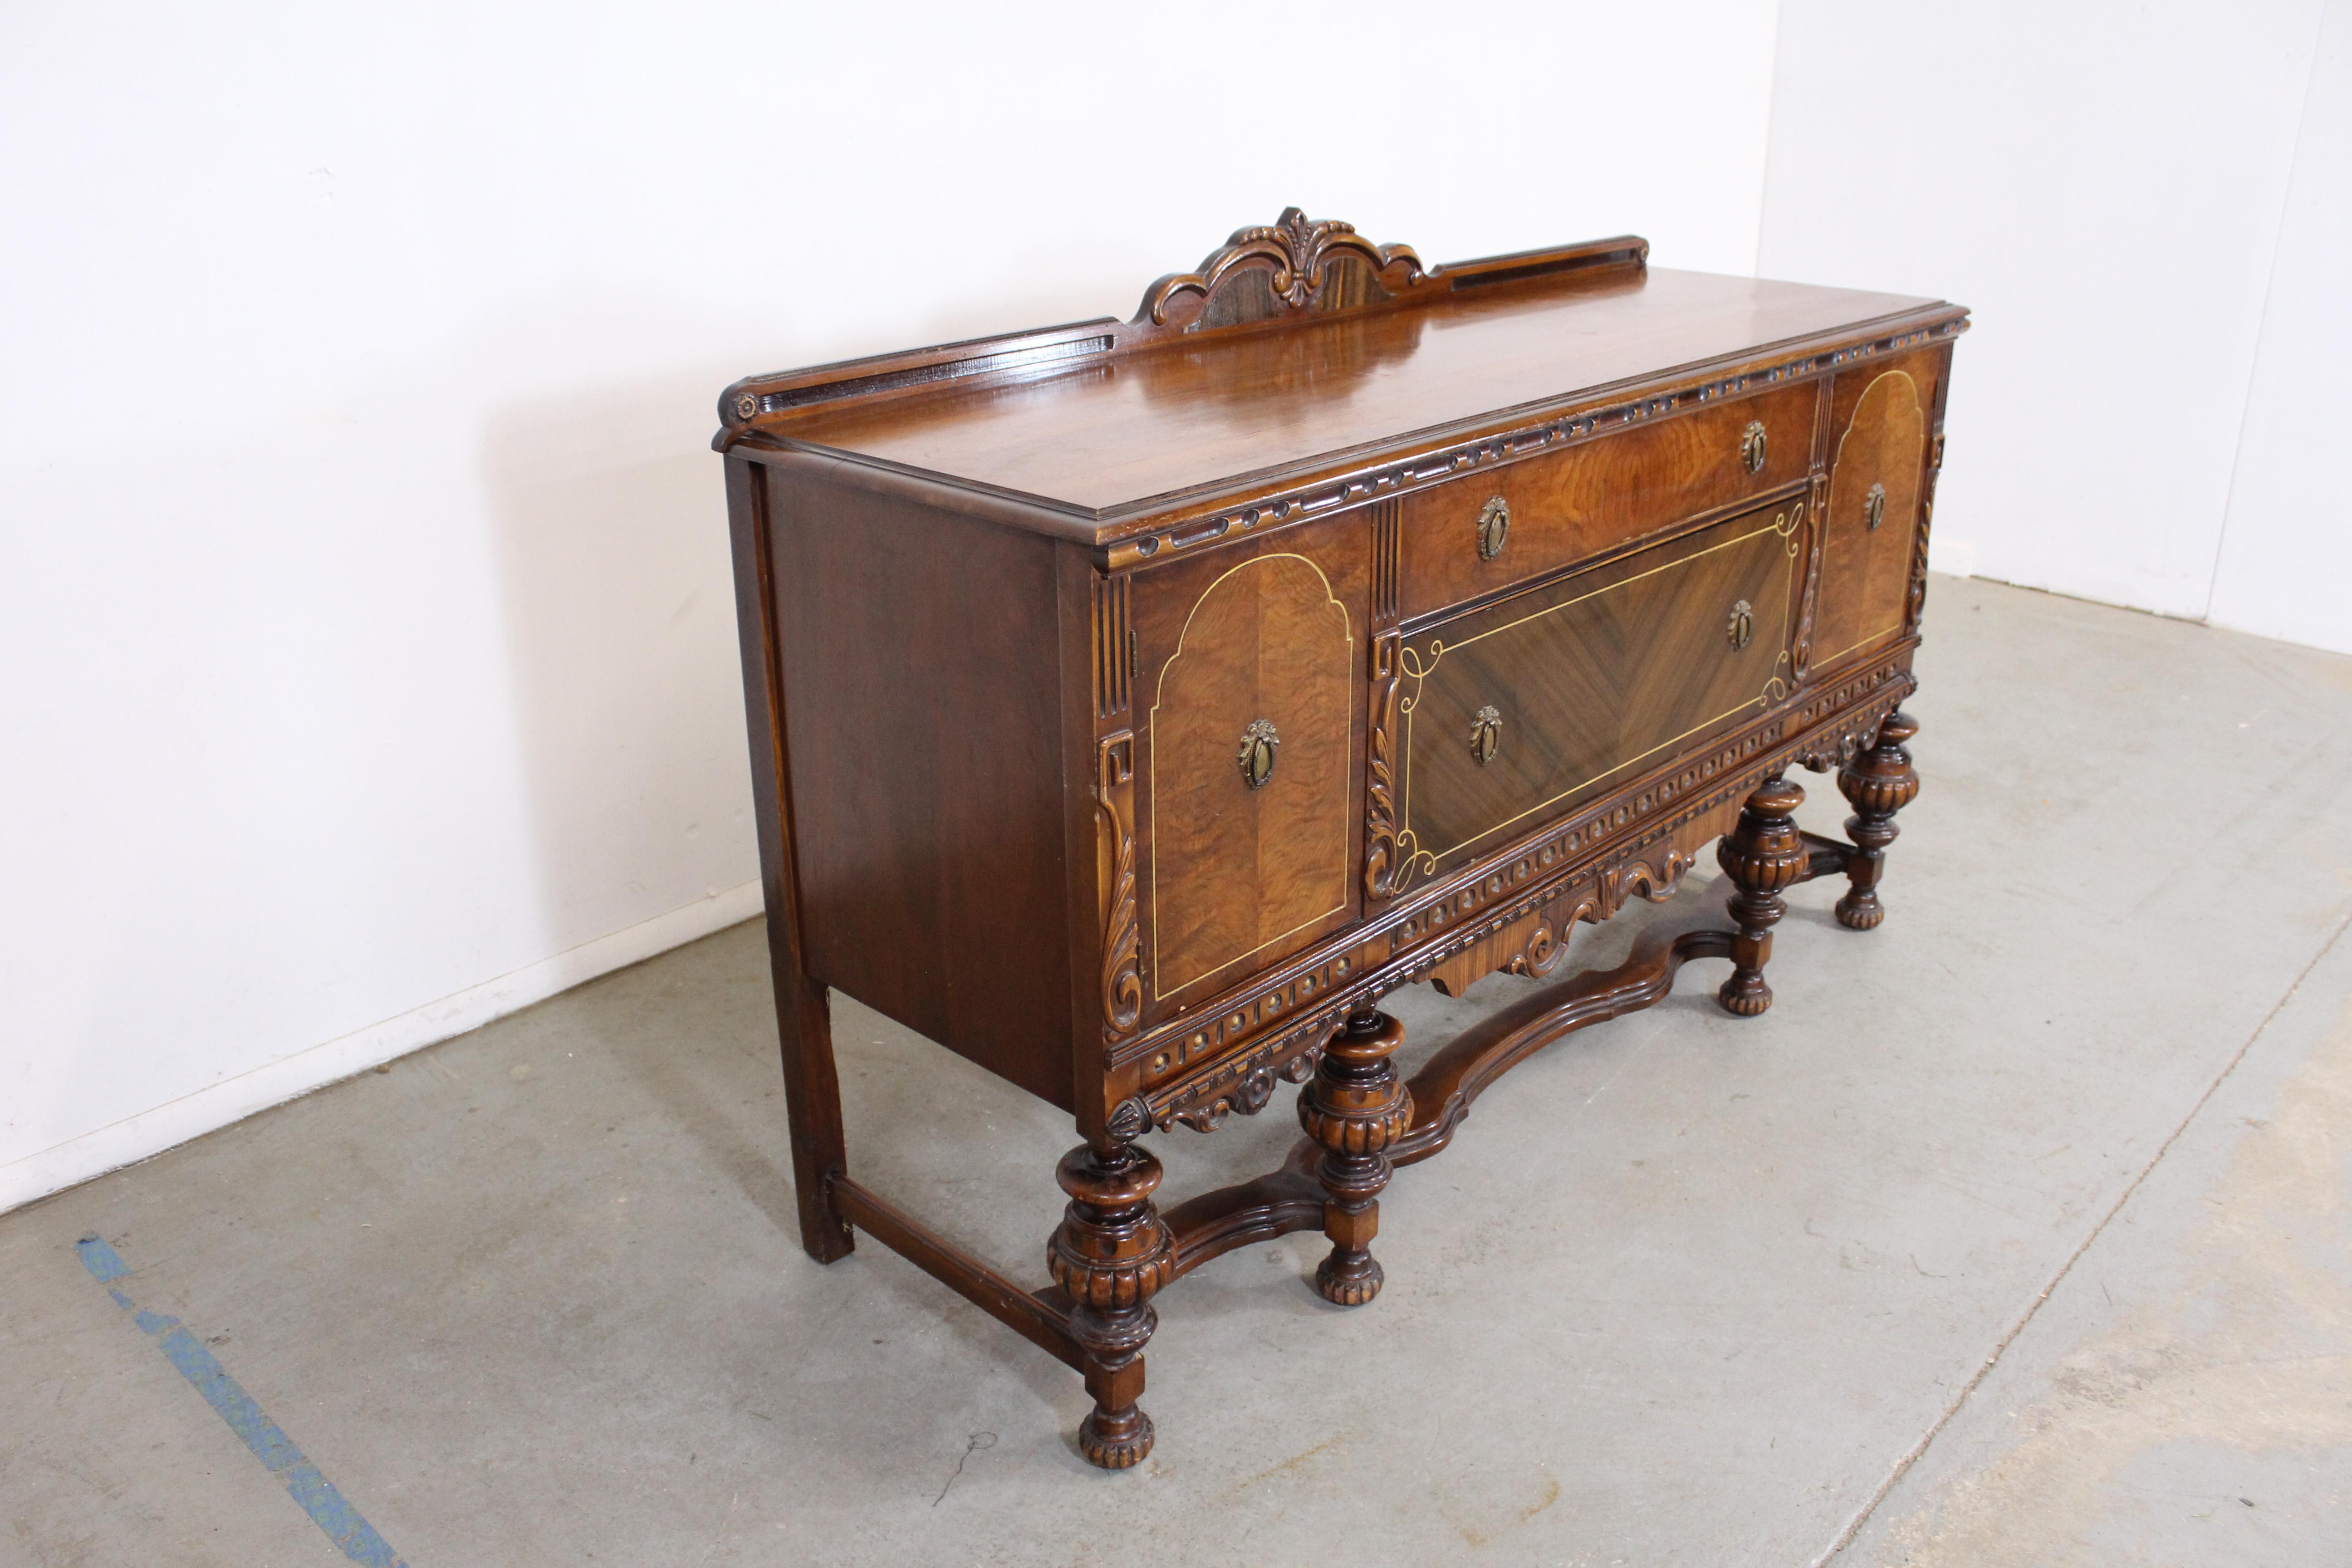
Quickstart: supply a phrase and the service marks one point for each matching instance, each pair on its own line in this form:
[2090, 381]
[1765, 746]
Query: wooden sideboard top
[1105, 422]
[1184, 417]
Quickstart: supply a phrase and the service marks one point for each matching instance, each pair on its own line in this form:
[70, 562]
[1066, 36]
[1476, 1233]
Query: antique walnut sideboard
[1133, 703]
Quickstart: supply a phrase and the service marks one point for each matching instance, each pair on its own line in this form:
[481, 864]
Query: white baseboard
[1953, 557]
[216, 1105]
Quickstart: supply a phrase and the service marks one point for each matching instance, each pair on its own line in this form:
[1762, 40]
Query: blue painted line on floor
[354, 1536]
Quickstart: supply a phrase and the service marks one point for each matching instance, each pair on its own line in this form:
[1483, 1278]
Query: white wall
[366, 650]
[2102, 184]
[2285, 566]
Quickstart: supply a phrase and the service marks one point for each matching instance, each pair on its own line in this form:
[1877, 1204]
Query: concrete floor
[2016, 1233]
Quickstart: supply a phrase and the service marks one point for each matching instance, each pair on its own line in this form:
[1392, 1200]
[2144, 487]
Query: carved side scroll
[1916, 600]
[1122, 982]
[1380, 774]
[1817, 498]
[1303, 265]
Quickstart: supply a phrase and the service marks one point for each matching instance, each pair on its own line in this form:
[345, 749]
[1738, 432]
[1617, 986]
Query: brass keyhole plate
[1874, 508]
[1751, 447]
[1494, 527]
[1255, 758]
[1741, 627]
[1485, 734]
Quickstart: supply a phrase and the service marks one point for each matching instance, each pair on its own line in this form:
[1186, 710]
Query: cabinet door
[1252, 671]
[1878, 465]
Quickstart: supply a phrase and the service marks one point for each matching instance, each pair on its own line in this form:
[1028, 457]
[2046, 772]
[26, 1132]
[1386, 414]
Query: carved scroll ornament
[1300, 253]
[1122, 982]
[1380, 823]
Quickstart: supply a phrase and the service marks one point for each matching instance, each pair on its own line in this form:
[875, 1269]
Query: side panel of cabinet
[922, 655]
[1881, 416]
[1249, 691]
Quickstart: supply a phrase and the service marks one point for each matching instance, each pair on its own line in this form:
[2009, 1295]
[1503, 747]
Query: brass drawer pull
[1257, 757]
[1751, 447]
[1874, 508]
[1741, 627]
[1485, 734]
[1494, 527]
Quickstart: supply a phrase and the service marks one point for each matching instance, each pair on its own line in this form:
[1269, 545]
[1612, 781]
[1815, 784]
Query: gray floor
[1686, 1289]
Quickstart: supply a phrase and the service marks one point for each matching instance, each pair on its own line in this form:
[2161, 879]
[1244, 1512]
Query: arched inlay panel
[1251, 749]
[1871, 527]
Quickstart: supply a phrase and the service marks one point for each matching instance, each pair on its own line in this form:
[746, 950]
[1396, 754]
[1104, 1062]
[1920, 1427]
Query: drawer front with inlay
[1525, 709]
[1486, 532]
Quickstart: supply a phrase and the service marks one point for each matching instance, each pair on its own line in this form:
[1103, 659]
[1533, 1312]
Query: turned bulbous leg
[1762, 854]
[1355, 1106]
[1879, 783]
[1110, 1254]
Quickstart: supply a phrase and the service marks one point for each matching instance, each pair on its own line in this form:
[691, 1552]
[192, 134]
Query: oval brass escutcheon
[1485, 734]
[1257, 756]
[1874, 508]
[1494, 527]
[1741, 627]
[1751, 447]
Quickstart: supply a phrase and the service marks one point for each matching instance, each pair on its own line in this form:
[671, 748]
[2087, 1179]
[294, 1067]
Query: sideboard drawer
[1596, 495]
[1521, 711]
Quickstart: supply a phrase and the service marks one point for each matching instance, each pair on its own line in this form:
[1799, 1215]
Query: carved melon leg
[1879, 783]
[1355, 1106]
[1762, 854]
[1111, 1252]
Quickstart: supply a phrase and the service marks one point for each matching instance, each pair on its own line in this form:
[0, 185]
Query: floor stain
[1296, 1460]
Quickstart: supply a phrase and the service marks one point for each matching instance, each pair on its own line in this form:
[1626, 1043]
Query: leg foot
[1763, 854]
[1115, 1442]
[1879, 783]
[1355, 1106]
[1115, 1434]
[1111, 1252]
[1349, 1277]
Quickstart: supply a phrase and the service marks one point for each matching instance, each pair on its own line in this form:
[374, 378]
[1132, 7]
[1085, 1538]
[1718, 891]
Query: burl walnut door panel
[1252, 679]
[1878, 465]
[1519, 711]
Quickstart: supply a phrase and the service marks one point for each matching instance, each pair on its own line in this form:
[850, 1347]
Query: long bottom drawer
[1531, 706]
